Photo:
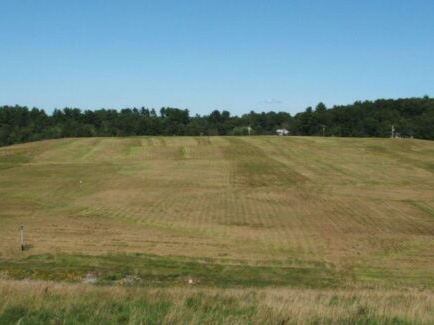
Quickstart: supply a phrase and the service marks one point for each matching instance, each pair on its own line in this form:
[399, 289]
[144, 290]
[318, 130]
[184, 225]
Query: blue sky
[205, 55]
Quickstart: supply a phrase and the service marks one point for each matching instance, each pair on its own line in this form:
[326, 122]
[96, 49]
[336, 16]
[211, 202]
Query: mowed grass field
[294, 213]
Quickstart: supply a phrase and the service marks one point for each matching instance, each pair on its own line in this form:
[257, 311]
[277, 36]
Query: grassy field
[38, 302]
[271, 218]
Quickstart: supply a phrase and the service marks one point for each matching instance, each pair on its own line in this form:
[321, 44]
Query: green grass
[49, 303]
[147, 270]
[113, 312]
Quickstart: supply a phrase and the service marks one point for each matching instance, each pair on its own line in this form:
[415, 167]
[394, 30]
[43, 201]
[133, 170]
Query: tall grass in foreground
[40, 302]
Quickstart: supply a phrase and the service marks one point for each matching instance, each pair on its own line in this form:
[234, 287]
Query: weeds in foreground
[42, 302]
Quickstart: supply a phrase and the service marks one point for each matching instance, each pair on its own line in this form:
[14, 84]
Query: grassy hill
[334, 215]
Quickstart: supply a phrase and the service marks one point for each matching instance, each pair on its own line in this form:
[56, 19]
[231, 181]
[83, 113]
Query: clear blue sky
[222, 54]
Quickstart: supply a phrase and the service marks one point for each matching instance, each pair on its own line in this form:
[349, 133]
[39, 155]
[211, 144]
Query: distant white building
[282, 132]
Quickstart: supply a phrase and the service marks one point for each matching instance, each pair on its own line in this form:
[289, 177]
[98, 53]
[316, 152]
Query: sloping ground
[349, 210]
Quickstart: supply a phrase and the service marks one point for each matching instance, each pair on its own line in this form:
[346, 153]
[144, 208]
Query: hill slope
[254, 210]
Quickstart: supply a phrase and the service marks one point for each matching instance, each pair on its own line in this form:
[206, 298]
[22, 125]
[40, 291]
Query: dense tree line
[412, 117]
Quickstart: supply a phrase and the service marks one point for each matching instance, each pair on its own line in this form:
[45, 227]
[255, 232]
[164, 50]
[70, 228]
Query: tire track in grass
[354, 218]
[422, 222]
[402, 157]
[298, 243]
[389, 217]
[278, 219]
[203, 141]
[358, 220]
[311, 221]
[422, 206]
[270, 230]
[169, 200]
[93, 150]
[252, 167]
[297, 156]
[274, 223]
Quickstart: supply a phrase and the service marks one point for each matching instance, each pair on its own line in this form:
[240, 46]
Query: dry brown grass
[365, 206]
[213, 306]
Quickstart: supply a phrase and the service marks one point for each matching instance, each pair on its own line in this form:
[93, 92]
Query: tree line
[411, 117]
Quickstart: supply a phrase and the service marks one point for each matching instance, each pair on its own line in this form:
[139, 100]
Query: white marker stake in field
[22, 238]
